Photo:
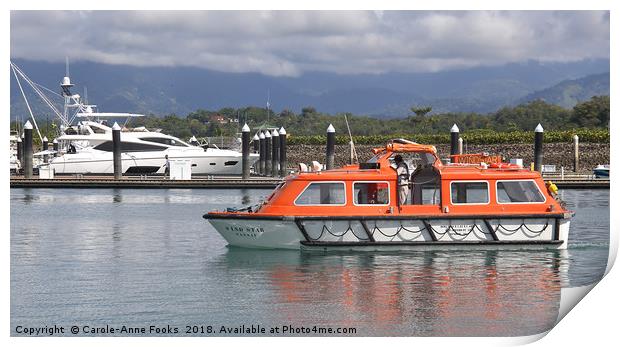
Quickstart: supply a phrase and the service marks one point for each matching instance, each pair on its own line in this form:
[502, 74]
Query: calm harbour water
[147, 257]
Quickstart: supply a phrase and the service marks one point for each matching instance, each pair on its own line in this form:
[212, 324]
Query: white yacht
[85, 146]
[89, 151]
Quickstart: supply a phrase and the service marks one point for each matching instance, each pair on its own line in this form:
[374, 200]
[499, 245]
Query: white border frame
[471, 203]
[353, 193]
[519, 203]
[324, 205]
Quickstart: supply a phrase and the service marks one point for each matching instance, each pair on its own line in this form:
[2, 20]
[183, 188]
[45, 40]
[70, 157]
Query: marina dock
[230, 182]
[218, 182]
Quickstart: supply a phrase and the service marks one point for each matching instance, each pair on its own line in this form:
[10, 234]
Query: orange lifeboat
[468, 203]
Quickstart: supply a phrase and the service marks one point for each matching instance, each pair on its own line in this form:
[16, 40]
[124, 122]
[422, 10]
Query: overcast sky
[290, 43]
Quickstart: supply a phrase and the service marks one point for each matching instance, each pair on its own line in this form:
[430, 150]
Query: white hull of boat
[203, 163]
[391, 234]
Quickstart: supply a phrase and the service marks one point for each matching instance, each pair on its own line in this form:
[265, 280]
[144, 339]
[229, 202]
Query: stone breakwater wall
[558, 154]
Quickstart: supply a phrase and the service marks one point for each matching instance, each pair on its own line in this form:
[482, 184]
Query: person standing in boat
[402, 174]
[167, 169]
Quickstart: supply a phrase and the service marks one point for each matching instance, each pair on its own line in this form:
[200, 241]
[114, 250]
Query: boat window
[322, 193]
[430, 195]
[164, 140]
[426, 186]
[371, 193]
[230, 163]
[108, 146]
[518, 192]
[469, 192]
[97, 130]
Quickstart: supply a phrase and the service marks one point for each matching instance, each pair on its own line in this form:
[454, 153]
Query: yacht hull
[154, 163]
[366, 233]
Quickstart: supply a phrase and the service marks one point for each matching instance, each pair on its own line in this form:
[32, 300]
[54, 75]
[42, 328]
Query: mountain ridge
[572, 91]
[180, 90]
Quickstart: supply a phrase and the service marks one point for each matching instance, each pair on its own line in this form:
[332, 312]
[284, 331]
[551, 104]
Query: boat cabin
[372, 188]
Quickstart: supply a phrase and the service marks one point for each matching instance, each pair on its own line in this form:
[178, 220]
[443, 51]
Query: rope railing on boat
[429, 228]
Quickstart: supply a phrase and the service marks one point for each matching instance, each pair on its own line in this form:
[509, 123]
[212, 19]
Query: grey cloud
[287, 43]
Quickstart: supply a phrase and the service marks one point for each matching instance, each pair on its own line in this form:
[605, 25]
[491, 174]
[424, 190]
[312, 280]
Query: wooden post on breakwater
[275, 152]
[538, 147]
[267, 153]
[116, 151]
[331, 142]
[261, 154]
[282, 136]
[27, 150]
[245, 152]
[576, 153]
[454, 140]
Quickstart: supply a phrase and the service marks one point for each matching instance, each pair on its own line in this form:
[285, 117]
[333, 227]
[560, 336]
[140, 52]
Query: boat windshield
[413, 159]
[97, 129]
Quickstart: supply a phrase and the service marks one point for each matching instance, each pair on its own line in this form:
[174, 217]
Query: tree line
[593, 113]
[590, 114]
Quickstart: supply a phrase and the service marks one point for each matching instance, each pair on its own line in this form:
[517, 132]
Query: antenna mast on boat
[66, 85]
[351, 138]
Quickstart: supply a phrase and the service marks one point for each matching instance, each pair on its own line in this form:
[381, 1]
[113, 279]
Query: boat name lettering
[245, 229]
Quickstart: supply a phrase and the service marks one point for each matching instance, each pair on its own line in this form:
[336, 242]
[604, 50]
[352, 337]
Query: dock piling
[538, 147]
[116, 151]
[267, 153]
[351, 153]
[245, 152]
[454, 140]
[255, 143]
[27, 150]
[576, 153]
[23, 143]
[261, 158]
[331, 142]
[256, 148]
[44, 147]
[20, 150]
[55, 147]
[282, 136]
[275, 152]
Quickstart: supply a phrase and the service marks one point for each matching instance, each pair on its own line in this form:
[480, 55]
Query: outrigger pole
[35, 87]
[26, 101]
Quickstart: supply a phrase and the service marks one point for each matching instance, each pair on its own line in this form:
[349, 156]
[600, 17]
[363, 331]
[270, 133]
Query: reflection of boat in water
[432, 293]
[601, 171]
[458, 205]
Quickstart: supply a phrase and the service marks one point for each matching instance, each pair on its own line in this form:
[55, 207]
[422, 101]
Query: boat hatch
[370, 166]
